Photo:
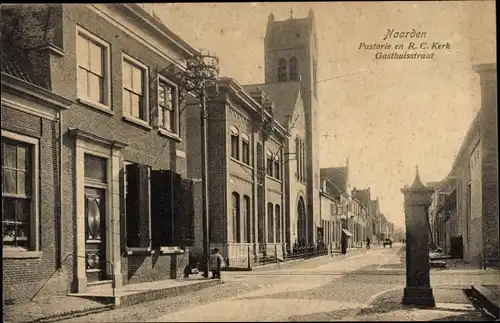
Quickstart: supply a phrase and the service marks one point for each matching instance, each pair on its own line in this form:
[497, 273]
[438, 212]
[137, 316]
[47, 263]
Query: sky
[391, 115]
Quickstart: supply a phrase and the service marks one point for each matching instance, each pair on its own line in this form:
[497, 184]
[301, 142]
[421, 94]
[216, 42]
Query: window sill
[171, 250]
[138, 122]
[169, 134]
[241, 163]
[138, 251]
[97, 106]
[17, 254]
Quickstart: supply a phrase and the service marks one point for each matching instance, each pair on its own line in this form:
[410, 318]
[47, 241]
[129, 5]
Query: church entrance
[301, 222]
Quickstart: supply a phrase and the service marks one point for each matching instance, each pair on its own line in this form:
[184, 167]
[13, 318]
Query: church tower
[291, 54]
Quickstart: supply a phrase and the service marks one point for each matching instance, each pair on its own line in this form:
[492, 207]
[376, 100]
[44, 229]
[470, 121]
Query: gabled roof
[16, 64]
[338, 175]
[283, 94]
[363, 196]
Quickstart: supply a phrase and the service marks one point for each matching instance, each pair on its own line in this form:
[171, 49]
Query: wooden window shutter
[177, 212]
[137, 206]
[123, 211]
[132, 205]
[188, 213]
[159, 210]
[144, 206]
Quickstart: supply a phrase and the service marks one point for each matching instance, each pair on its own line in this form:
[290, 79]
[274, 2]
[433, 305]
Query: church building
[291, 62]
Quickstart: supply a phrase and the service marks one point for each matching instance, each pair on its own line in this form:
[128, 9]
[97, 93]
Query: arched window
[270, 220]
[245, 149]
[277, 215]
[235, 143]
[277, 168]
[297, 156]
[282, 70]
[315, 81]
[294, 73]
[236, 216]
[270, 163]
[245, 220]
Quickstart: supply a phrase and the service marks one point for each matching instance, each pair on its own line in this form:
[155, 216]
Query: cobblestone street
[327, 288]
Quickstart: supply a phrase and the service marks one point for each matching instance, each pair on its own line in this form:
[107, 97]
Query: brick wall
[150, 268]
[24, 277]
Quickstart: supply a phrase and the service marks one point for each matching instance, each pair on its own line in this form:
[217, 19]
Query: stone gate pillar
[417, 199]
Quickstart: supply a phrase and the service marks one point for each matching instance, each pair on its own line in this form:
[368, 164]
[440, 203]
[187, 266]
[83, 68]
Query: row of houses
[350, 211]
[101, 167]
[463, 215]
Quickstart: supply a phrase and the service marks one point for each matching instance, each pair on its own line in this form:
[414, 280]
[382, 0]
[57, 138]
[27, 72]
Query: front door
[95, 234]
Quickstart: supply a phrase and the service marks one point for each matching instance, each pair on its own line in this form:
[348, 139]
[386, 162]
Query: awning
[347, 233]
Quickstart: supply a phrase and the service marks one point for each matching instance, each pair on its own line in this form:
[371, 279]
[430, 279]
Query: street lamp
[202, 70]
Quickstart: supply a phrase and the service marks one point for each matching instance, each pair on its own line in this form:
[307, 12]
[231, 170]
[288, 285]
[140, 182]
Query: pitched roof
[283, 94]
[363, 196]
[337, 175]
[16, 64]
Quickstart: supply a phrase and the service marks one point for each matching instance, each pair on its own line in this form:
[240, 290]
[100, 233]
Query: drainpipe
[60, 260]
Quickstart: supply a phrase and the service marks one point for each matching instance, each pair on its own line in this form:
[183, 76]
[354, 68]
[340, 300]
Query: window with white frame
[168, 105]
[235, 143]
[270, 163]
[93, 68]
[277, 168]
[245, 149]
[19, 192]
[135, 89]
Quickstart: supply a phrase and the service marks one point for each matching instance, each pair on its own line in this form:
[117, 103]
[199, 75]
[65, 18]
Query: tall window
[236, 217]
[270, 220]
[297, 156]
[134, 89]
[246, 222]
[92, 74]
[277, 168]
[235, 143]
[315, 86]
[282, 70]
[294, 74]
[270, 163]
[17, 195]
[167, 106]
[277, 214]
[245, 149]
[469, 212]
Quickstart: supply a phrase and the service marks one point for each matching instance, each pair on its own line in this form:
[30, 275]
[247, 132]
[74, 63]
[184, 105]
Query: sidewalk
[101, 299]
[452, 304]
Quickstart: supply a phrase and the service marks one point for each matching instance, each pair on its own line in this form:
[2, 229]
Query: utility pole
[204, 179]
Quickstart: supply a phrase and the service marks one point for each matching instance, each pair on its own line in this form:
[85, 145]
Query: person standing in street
[368, 243]
[216, 263]
[343, 246]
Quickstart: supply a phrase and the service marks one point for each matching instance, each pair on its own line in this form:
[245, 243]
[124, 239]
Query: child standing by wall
[216, 263]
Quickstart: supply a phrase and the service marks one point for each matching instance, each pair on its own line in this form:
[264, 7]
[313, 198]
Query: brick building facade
[30, 173]
[470, 209]
[245, 173]
[123, 143]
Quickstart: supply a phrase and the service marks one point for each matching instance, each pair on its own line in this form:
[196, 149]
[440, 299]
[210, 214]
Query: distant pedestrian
[216, 263]
[368, 243]
[343, 247]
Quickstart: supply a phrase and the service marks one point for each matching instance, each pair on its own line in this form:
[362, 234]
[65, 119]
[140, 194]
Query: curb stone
[73, 314]
[487, 300]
